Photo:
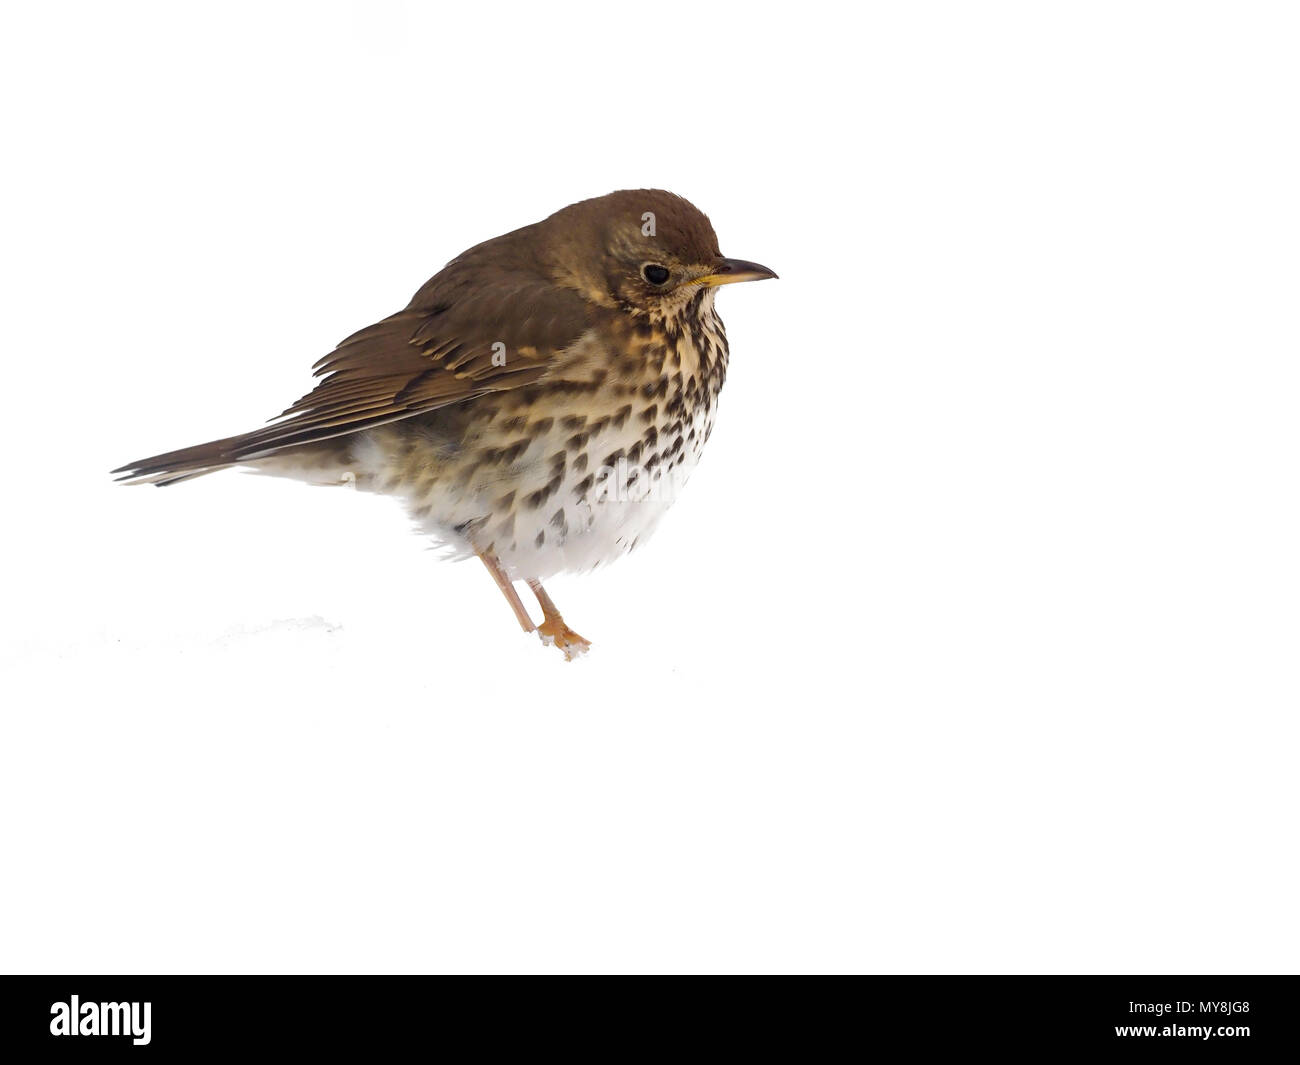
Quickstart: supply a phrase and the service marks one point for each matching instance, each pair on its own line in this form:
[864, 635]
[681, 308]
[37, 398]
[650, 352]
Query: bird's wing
[457, 341]
[462, 336]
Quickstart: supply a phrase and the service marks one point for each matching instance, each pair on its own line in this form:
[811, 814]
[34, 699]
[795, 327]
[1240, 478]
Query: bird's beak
[729, 271]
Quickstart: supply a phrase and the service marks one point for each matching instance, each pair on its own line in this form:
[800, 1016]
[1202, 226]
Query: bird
[538, 404]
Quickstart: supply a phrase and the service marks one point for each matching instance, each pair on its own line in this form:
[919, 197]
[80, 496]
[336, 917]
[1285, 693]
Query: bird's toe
[555, 633]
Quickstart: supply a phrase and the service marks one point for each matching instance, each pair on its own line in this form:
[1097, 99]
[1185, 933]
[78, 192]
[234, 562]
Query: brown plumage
[501, 384]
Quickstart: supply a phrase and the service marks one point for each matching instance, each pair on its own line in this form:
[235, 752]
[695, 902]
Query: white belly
[572, 509]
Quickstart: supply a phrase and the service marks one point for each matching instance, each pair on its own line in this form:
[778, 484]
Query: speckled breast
[574, 471]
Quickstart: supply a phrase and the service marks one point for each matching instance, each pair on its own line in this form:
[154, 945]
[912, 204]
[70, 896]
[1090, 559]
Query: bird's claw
[555, 633]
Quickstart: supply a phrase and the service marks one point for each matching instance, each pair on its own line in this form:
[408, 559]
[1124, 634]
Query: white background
[971, 646]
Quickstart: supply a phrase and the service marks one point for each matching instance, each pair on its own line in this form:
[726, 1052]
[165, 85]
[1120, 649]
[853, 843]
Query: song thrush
[537, 404]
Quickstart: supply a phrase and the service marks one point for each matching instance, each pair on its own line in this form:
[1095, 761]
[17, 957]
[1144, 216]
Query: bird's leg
[553, 630]
[507, 587]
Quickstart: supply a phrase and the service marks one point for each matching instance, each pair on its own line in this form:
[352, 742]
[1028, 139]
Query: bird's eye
[655, 274]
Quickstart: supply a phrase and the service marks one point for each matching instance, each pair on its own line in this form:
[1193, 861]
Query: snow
[970, 645]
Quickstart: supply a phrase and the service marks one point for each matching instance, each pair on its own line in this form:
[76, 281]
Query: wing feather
[438, 351]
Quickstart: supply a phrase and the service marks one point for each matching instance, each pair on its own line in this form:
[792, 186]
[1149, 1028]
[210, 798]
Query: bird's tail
[187, 463]
[328, 461]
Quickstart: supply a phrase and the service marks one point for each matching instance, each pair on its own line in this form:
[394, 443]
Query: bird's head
[646, 251]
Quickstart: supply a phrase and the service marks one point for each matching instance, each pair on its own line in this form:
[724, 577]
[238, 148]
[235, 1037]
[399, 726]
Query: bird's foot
[555, 633]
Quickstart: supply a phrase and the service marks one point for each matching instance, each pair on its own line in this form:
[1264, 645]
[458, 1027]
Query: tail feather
[322, 457]
[163, 480]
[173, 466]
